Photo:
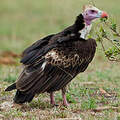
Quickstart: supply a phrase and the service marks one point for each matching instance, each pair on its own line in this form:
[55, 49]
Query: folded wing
[61, 64]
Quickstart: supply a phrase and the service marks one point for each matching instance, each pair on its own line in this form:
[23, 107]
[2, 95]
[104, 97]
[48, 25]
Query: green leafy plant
[109, 31]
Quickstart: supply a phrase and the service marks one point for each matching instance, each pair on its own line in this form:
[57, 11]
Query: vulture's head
[91, 13]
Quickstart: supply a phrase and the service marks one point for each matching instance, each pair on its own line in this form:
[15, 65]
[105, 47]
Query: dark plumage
[52, 62]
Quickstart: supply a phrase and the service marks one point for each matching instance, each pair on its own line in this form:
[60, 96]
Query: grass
[21, 24]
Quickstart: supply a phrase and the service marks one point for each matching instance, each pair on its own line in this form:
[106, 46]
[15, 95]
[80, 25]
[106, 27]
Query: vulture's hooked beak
[102, 14]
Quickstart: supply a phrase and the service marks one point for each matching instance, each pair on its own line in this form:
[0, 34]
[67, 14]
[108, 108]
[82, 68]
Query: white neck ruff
[85, 31]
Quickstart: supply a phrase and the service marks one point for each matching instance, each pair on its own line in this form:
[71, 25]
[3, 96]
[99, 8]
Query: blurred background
[22, 22]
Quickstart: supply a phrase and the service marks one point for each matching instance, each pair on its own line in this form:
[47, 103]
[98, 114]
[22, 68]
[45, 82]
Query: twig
[112, 43]
[112, 29]
[109, 58]
[99, 109]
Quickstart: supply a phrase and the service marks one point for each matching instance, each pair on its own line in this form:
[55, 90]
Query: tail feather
[21, 97]
[11, 87]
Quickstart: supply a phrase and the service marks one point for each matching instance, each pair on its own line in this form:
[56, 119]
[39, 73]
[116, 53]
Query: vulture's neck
[82, 26]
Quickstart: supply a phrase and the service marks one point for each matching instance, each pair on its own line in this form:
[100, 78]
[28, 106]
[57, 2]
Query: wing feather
[73, 59]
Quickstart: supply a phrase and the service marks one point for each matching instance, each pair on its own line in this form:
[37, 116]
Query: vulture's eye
[92, 11]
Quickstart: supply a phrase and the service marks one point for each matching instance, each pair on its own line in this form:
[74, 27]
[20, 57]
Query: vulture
[53, 61]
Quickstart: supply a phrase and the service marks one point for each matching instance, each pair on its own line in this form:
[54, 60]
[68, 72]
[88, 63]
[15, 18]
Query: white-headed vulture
[52, 62]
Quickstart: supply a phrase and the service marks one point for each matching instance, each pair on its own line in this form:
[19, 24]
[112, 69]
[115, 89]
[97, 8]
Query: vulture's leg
[65, 103]
[52, 99]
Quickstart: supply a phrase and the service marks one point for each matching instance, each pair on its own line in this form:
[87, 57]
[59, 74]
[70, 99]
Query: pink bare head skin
[91, 13]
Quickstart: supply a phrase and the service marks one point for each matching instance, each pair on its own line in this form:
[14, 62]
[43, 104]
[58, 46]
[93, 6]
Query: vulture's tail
[22, 97]
[11, 87]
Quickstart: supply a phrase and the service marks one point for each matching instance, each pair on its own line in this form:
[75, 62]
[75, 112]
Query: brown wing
[71, 61]
[61, 65]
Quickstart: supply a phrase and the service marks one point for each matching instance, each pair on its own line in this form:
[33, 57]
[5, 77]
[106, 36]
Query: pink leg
[65, 103]
[52, 100]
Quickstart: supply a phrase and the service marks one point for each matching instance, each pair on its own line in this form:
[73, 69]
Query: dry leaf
[88, 83]
[9, 54]
[103, 92]
[7, 61]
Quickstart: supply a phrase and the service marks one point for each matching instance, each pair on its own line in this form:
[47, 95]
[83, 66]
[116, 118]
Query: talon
[66, 104]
